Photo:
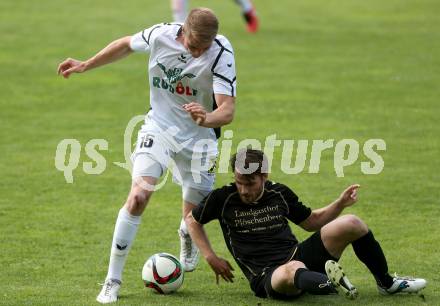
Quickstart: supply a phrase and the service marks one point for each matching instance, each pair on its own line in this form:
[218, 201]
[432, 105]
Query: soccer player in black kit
[254, 212]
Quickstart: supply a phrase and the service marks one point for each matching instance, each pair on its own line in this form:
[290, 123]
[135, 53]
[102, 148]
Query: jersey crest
[174, 74]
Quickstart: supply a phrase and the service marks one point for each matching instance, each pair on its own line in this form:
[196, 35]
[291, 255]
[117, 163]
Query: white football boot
[341, 283]
[109, 291]
[189, 252]
[403, 284]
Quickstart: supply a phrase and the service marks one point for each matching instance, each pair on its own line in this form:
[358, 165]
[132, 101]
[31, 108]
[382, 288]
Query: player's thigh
[152, 153]
[313, 253]
[145, 165]
[195, 173]
[339, 233]
[150, 160]
[191, 198]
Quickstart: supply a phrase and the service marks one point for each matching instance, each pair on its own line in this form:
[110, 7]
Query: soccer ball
[163, 272]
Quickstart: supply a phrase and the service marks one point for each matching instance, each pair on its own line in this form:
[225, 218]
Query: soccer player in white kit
[192, 93]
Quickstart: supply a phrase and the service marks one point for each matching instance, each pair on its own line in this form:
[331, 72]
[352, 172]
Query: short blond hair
[201, 26]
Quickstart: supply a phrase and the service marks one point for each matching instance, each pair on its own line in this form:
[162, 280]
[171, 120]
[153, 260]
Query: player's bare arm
[220, 266]
[224, 114]
[320, 217]
[114, 51]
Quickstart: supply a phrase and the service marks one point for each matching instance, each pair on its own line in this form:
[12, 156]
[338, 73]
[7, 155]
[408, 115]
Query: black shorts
[311, 252]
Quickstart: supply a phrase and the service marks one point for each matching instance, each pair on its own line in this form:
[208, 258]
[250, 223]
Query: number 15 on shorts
[146, 142]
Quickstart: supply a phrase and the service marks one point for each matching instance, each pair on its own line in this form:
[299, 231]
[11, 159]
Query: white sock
[246, 5]
[123, 236]
[180, 9]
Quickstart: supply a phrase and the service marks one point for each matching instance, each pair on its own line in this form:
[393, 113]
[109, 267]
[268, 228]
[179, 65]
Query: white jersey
[177, 78]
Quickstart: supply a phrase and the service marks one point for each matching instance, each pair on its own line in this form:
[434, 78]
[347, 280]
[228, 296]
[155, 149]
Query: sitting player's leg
[337, 277]
[347, 229]
[342, 231]
[292, 278]
[315, 256]
[369, 251]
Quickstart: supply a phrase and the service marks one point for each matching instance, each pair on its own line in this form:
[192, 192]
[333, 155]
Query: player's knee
[142, 197]
[355, 225]
[291, 268]
[188, 219]
[137, 201]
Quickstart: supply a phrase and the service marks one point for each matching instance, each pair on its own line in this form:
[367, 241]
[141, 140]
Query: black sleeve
[210, 208]
[298, 212]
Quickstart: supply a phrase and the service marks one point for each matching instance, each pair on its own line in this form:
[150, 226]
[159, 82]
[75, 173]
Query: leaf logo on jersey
[173, 81]
[174, 74]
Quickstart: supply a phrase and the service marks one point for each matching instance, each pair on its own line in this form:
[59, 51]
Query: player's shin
[368, 250]
[313, 282]
[124, 234]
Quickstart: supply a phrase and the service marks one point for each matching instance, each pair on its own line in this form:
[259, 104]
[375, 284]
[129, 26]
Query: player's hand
[221, 268]
[70, 66]
[197, 112]
[349, 196]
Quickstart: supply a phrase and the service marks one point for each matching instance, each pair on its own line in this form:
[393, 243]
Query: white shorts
[192, 164]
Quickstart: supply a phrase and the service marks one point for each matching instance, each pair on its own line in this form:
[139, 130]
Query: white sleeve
[143, 41]
[224, 72]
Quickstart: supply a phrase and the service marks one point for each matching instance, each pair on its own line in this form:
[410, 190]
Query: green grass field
[316, 70]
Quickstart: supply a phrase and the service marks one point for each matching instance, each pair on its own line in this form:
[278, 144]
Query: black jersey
[257, 234]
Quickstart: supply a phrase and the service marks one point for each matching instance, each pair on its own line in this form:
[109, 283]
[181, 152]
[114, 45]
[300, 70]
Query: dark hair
[249, 162]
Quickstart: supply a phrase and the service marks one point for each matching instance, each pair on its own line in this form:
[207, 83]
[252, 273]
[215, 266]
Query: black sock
[312, 282]
[368, 250]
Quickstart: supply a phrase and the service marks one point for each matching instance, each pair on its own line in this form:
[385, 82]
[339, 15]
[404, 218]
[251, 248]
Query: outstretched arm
[320, 217]
[113, 52]
[220, 266]
[222, 115]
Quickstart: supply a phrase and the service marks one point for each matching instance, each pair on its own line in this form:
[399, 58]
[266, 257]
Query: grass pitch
[316, 70]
